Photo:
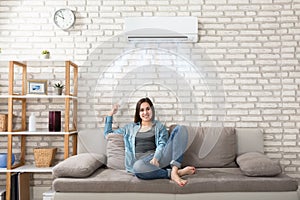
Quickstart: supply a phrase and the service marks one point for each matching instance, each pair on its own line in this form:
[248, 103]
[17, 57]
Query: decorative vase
[58, 91]
[46, 56]
[3, 160]
[31, 124]
[54, 121]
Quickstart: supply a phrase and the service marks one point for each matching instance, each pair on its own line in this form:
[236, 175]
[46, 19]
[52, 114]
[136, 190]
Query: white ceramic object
[32, 122]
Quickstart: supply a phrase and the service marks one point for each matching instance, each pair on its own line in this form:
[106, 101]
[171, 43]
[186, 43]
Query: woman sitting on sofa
[149, 151]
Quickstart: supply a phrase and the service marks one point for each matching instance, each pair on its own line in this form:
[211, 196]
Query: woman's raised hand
[114, 110]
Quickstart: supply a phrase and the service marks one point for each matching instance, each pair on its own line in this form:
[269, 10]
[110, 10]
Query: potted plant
[58, 87]
[45, 54]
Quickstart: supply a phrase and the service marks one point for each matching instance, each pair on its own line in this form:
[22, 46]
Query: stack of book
[19, 187]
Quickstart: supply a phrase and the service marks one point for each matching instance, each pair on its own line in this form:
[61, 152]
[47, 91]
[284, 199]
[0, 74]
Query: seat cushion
[205, 180]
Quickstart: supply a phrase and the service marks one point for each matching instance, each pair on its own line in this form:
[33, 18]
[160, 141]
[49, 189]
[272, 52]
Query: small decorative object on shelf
[31, 123]
[58, 88]
[45, 54]
[44, 157]
[37, 87]
[3, 160]
[54, 121]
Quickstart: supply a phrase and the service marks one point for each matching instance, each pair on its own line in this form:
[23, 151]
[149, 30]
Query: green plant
[58, 85]
[45, 52]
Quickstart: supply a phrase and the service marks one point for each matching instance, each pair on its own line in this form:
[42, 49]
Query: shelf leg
[23, 149]
[74, 144]
[66, 146]
[8, 184]
[9, 158]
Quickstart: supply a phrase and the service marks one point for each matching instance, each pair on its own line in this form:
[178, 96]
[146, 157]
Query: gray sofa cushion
[81, 165]
[205, 180]
[115, 151]
[211, 147]
[249, 140]
[258, 164]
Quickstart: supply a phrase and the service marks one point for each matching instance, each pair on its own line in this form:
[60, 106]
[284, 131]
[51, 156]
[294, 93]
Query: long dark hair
[137, 117]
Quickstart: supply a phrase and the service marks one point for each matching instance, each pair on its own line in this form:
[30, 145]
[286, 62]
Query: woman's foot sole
[189, 170]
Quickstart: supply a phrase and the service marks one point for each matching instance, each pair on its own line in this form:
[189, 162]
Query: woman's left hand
[155, 162]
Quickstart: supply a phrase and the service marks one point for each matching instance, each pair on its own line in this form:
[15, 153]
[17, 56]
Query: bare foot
[189, 170]
[176, 178]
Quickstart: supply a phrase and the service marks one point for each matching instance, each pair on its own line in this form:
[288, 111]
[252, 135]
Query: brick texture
[243, 72]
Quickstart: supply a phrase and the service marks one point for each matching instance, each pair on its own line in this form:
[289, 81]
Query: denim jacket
[129, 132]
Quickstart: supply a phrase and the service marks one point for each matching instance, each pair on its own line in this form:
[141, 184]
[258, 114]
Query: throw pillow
[115, 151]
[210, 147]
[258, 164]
[79, 166]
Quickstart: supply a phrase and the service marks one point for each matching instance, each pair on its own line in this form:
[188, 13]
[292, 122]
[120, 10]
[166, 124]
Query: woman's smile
[146, 112]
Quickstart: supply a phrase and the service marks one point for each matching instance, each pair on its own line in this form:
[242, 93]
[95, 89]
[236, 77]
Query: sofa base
[293, 195]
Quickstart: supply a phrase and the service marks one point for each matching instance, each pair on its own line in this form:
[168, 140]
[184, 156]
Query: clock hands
[64, 18]
[60, 15]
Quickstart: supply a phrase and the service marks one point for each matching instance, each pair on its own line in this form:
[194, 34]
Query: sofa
[230, 164]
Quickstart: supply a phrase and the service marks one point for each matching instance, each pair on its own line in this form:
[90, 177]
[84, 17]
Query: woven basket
[3, 122]
[44, 157]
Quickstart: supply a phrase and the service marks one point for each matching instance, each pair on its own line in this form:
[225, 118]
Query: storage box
[44, 156]
[3, 122]
[49, 195]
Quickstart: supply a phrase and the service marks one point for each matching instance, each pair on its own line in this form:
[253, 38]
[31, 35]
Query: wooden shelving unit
[69, 131]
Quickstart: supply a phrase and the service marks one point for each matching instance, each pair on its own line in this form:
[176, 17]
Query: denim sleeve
[161, 142]
[108, 127]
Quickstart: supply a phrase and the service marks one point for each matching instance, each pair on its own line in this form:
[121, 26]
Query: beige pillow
[217, 150]
[258, 164]
[79, 166]
[115, 151]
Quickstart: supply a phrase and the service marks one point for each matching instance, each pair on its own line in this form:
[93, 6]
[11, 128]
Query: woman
[149, 152]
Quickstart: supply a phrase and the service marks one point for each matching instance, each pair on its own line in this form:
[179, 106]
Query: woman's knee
[139, 166]
[141, 170]
[180, 133]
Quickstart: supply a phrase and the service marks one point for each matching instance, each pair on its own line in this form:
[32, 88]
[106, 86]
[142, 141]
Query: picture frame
[37, 87]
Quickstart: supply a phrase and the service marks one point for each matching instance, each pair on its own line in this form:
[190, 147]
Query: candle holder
[54, 121]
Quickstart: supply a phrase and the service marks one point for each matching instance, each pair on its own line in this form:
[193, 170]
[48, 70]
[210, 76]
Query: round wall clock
[64, 18]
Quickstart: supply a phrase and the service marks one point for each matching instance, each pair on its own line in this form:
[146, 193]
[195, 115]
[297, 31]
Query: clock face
[64, 18]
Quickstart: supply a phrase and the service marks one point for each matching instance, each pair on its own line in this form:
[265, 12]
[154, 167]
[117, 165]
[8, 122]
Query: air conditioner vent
[155, 29]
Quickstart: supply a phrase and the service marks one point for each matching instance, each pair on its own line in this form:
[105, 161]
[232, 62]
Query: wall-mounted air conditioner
[155, 29]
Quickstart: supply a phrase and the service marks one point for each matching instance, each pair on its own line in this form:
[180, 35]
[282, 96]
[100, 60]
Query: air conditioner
[155, 29]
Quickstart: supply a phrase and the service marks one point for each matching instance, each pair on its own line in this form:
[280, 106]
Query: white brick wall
[251, 48]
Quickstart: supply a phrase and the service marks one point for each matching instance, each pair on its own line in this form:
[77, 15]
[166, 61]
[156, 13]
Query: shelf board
[28, 168]
[37, 96]
[34, 60]
[3, 96]
[38, 132]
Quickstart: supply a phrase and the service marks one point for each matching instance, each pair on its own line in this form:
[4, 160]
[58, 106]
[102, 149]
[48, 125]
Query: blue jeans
[172, 156]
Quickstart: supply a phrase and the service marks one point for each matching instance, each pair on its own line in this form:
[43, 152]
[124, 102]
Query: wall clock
[64, 18]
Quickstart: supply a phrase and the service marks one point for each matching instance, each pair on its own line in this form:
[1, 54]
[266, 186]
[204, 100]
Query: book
[20, 186]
